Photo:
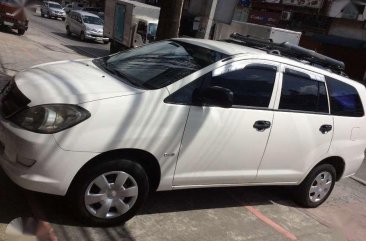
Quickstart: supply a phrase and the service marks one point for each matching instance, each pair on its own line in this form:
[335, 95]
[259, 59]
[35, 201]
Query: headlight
[50, 118]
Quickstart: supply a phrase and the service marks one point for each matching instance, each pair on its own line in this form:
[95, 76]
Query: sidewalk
[21, 52]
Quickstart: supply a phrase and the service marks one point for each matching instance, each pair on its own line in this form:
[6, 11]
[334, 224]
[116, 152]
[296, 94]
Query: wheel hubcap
[320, 186]
[111, 195]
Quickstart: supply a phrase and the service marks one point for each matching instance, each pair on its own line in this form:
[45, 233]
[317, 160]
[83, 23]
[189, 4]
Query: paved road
[56, 29]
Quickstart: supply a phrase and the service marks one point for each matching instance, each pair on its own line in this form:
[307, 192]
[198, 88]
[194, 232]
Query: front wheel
[317, 186]
[63, 19]
[68, 32]
[82, 36]
[110, 193]
[21, 31]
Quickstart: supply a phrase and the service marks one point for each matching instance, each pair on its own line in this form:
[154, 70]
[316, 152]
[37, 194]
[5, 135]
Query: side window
[300, 92]
[344, 99]
[251, 86]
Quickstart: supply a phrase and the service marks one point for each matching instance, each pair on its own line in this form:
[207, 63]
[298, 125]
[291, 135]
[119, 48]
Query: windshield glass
[92, 20]
[152, 29]
[53, 5]
[159, 64]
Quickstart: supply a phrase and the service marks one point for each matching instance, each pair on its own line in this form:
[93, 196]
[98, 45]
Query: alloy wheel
[320, 187]
[111, 195]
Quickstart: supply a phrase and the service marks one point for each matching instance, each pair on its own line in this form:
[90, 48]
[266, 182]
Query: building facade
[336, 28]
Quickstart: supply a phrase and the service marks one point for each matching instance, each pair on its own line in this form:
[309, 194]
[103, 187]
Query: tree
[169, 20]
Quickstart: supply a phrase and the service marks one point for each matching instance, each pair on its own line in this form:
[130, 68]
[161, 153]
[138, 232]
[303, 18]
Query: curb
[363, 182]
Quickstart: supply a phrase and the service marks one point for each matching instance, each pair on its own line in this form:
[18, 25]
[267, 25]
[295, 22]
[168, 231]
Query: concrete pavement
[248, 213]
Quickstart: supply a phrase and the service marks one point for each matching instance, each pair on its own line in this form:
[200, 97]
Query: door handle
[325, 129]
[261, 125]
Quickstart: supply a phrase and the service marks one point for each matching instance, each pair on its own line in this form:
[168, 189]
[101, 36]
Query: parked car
[52, 10]
[67, 8]
[182, 113]
[13, 16]
[87, 25]
[73, 6]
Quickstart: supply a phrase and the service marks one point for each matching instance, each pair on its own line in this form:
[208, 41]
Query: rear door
[302, 128]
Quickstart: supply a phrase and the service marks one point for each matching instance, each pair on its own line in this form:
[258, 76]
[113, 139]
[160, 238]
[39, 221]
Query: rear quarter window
[344, 99]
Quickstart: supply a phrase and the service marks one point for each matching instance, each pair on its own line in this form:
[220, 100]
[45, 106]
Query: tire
[82, 36]
[68, 32]
[105, 41]
[49, 16]
[21, 31]
[42, 15]
[320, 190]
[63, 19]
[84, 185]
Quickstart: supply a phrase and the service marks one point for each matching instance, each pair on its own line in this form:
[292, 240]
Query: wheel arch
[337, 162]
[148, 161]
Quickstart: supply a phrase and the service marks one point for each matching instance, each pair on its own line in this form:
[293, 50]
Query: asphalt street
[55, 28]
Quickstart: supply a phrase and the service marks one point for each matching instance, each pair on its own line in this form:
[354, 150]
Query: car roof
[83, 13]
[237, 50]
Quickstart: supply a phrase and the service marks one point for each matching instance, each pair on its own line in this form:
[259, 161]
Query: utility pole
[210, 19]
[169, 20]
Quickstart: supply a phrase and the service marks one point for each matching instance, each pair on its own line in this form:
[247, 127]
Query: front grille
[12, 100]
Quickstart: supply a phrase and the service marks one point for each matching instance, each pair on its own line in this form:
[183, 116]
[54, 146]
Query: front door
[302, 128]
[225, 145]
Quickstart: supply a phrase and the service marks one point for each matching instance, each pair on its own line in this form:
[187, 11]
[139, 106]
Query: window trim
[243, 63]
[313, 76]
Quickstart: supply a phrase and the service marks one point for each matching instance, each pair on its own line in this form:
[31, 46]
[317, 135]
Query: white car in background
[182, 113]
[86, 25]
[52, 10]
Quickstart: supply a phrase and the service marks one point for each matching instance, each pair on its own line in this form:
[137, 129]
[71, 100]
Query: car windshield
[53, 5]
[159, 64]
[92, 20]
[152, 29]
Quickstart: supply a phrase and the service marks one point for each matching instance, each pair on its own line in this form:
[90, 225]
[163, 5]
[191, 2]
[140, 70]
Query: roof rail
[289, 50]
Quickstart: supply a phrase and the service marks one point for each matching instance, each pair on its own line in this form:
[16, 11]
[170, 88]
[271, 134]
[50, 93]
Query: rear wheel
[42, 15]
[63, 19]
[110, 193]
[317, 186]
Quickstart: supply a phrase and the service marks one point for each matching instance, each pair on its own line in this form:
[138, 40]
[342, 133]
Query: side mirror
[217, 96]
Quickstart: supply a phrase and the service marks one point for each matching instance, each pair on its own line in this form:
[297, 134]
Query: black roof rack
[289, 50]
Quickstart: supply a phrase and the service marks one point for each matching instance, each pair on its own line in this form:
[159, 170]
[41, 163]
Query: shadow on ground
[84, 50]
[13, 203]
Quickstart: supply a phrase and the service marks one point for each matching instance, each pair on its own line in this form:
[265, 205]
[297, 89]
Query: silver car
[52, 10]
[86, 25]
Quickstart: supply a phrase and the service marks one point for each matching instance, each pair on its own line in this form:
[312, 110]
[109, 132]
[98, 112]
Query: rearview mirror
[217, 96]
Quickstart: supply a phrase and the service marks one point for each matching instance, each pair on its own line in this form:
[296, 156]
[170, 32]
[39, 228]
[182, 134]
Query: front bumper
[13, 23]
[58, 15]
[95, 36]
[54, 168]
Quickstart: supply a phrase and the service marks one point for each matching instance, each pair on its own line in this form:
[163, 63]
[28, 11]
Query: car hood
[94, 26]
[71, 82]
[57, 9]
